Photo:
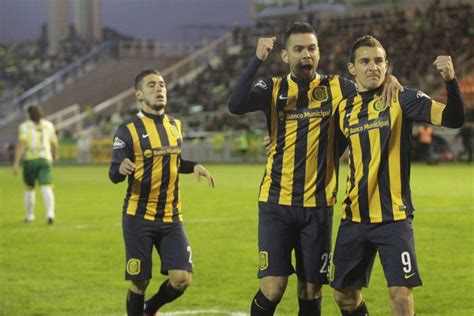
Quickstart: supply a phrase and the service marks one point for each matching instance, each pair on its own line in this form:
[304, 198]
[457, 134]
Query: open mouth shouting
[306, 70]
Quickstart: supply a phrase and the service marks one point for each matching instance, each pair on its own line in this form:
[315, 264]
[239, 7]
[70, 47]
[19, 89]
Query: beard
[154, 106]
[157, 107]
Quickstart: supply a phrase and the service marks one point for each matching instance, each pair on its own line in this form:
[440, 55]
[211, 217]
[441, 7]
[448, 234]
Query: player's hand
[264, 47]
[390, 90]
[444, 65]
[15, 170]
[200, 171]
[127, 167]
[267, 143]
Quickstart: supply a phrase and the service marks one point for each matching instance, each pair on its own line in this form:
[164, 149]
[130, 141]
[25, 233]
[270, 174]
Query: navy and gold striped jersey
[153, 143]
[301, 169]
[378, 183]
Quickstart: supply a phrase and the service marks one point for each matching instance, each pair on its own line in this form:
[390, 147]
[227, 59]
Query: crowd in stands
[413, 38]
[25, 64]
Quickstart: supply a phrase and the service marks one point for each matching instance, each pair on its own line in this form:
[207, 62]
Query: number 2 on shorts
[190, 254]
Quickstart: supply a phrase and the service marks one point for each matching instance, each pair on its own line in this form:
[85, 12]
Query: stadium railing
[56, 82]
[189, 65]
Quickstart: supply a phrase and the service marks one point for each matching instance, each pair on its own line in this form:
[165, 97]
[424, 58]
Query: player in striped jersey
[147, 149]
[38, 143]
[378, 209]
[299, 186]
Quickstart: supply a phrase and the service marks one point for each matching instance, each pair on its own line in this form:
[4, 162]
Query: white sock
[48, 199]
[29, 200]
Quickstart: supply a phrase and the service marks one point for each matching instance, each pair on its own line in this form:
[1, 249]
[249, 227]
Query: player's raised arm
[420, 107]
[244, 98]
[264, 47]
[453, 114]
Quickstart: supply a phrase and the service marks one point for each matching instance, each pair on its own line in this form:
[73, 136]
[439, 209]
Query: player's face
[369, 67]
[152, 94]
[302, 55]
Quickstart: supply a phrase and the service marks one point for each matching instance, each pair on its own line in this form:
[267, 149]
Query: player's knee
[139, 287]
[309, 291]
[273, 292]
[346, 300]
[181, 282]
[400, 296]
[273, 288]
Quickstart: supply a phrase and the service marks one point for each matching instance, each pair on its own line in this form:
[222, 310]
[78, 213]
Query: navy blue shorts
[169, 239]
[357, 245]
[307, 230]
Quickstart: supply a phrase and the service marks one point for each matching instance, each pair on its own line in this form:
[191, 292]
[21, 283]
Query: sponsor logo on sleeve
[261, 84]
[118, 143]
[422, 95]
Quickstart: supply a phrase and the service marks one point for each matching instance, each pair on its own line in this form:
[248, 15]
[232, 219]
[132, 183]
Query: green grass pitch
[76, 266]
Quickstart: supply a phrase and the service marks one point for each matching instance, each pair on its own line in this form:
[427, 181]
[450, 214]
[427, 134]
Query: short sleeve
[22, 132]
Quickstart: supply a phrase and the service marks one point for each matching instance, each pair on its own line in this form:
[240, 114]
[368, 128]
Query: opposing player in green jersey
[38, 143]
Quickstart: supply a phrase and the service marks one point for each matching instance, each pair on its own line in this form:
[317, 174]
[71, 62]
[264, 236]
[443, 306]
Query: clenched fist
[444, 65]
[264, 47]
[126, 167]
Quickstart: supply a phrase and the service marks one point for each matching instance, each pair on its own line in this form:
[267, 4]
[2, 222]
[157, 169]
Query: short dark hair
[35, 112]
[298, 28]
[365, 41]
[143, 74]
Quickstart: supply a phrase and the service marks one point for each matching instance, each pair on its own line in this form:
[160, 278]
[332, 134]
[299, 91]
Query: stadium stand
[414, 34]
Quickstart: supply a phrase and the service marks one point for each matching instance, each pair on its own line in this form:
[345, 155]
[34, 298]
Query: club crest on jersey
[118, 143]
[148, 153]
[263, 260]
[320, 93]
[261, 84]
[133, 266]
[379, 106]
[174, 131]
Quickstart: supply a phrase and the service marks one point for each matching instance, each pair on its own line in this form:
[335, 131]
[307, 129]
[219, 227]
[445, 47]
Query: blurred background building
[88, 23]
[58, 24]
[79, 58]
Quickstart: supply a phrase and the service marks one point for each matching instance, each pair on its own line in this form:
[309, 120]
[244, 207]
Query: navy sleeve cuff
[114, 175]
[187, 166]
